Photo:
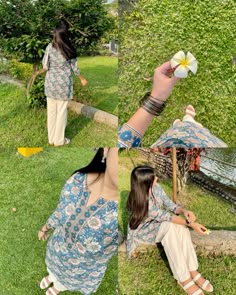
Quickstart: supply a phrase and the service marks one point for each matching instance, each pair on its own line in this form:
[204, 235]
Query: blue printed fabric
[59, 77]
[128, 137]
[182, 135]
[188, 135]
[159, 208]
[84, 238]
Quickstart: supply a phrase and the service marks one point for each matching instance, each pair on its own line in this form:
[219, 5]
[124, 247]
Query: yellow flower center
[184, 62]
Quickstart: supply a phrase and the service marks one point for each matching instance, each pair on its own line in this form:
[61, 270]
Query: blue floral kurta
[84, 238]
[59, 77]
[181, 135]
[159, 208]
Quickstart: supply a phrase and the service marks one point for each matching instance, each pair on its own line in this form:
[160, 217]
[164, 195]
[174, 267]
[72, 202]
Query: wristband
[188, 223]
[152, 105]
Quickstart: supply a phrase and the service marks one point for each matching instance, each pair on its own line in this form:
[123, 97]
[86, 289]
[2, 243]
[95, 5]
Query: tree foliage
[26, 26]
[153, 32]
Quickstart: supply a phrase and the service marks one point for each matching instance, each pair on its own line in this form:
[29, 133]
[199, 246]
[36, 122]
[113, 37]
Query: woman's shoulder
[49, 46]
[157, 188]
[77, 177]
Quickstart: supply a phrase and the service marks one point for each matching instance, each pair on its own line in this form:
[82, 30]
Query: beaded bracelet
[152, 105]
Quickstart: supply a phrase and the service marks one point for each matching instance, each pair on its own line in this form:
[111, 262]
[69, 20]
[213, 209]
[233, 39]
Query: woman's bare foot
[177, 121]
[52, 291]
[45, 283]
[191, 288]
[201, 282]
[190, 111]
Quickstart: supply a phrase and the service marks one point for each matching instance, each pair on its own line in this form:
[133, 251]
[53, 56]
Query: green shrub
[20, 70]
[153, 32]
[4, 68]
[37, 98]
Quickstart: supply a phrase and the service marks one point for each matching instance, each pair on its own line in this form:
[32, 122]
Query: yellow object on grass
[27, 152]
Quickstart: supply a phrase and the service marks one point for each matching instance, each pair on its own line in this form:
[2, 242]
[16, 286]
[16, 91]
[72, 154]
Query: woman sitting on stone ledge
[151, 222]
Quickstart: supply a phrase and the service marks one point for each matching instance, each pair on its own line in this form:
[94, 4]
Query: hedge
[153, 32]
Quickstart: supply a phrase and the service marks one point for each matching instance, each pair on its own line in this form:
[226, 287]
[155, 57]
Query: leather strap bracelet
[152, 105]
[188, 223]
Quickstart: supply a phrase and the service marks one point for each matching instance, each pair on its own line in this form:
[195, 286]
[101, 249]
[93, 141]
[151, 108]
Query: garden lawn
[101, 73]
[32, 186]
[21, 126]
[152, 33]
[148, 274]
[101, 91]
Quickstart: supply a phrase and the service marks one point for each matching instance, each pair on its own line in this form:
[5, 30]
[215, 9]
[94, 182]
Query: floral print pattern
[84, 238]
[58, 81]
[182, 135]
[128, 137]
[159, 209]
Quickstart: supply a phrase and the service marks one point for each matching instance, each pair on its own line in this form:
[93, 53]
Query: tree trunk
[33, 78]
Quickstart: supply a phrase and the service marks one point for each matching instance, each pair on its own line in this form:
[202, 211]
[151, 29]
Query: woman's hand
[43, 236]
[200, 229]
[83, 81]
[162, 83]
[43, 233]
[189, 215]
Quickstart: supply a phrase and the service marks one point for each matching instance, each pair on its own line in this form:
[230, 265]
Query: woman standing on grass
[151, 222]
[60, 62]
[85, 224]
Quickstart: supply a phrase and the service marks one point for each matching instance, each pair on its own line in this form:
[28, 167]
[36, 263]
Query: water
[227, 155]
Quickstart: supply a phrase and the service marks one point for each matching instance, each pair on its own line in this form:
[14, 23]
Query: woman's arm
[200, 229]
[76, 71]
[139, 122]
[161, 90]
[189, 215]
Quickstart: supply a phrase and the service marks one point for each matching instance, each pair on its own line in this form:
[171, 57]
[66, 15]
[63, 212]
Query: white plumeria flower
[183, 63]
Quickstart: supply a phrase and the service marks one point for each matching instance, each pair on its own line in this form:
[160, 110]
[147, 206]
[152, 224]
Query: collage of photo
[118, 147]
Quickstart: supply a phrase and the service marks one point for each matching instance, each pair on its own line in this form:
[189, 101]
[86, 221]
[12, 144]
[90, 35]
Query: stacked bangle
[152, 105]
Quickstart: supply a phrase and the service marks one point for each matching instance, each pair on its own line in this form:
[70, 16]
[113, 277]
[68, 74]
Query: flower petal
[181, 72]
[177, 58]
[190, 58]
[193, 67]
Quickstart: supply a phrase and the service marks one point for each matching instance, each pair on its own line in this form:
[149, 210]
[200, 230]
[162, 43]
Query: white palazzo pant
[56, 120]
[178, 246]
[56, 283]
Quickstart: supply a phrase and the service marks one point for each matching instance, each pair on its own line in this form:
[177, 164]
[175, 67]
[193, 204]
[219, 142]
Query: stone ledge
[94, 114]
[219, 242]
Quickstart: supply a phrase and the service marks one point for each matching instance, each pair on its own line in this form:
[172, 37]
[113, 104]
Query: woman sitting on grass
[84, 224]
[151, 222]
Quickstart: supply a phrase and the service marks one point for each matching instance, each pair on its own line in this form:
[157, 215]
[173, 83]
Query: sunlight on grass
[21, 126]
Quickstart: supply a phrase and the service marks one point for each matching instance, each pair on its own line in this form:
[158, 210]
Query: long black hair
[97, 165]
[142, 178]
[61, 41]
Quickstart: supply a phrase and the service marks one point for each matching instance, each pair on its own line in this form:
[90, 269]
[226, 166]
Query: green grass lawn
[149, 273]
[152, 33]
[101, 73]
[101, 92]
[21, 126]
[32, 186]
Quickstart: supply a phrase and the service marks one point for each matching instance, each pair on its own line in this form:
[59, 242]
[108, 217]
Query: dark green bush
[153, 32]
[37, 98]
